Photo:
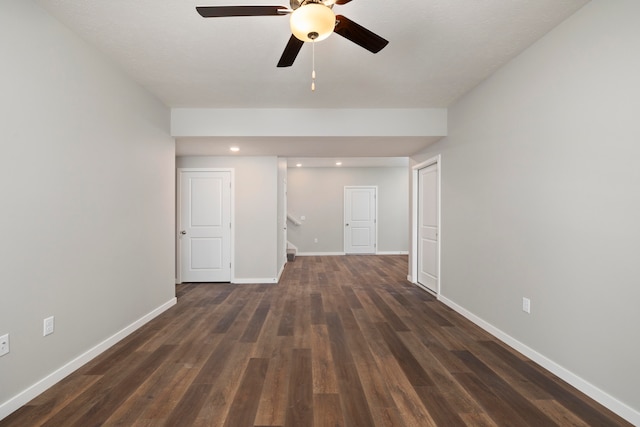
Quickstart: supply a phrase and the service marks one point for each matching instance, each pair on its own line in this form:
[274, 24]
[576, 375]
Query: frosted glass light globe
[312, 21]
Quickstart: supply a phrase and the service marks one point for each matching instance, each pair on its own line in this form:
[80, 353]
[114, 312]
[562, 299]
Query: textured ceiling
[438, 50]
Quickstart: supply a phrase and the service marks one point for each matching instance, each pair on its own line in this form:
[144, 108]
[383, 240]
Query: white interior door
[428, 232]
[360, 220]
[283, 223]
[205, 226]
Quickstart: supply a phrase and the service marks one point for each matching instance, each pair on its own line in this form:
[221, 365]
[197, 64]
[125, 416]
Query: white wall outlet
[526, 305]
[48, 326]
[4, 344]
[315, 240]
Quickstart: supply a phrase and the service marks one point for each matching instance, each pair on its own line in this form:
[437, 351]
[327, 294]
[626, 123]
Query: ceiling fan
[311, 21]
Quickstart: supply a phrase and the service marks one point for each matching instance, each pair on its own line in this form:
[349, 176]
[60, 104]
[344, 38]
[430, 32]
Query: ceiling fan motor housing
[297, 3]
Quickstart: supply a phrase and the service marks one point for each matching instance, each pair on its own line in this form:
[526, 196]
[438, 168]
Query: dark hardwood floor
[341, 341]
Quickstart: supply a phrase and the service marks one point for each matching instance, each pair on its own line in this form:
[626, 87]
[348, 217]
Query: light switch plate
[48, 326]
[4, 344]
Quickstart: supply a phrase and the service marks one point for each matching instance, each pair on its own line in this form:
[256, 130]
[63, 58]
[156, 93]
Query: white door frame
[179, 219]
[344, 218]
[414, 223]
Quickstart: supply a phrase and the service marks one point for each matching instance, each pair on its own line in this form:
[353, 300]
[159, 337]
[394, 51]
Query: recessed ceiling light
[298, 165]
[338, 163]
[234, 149]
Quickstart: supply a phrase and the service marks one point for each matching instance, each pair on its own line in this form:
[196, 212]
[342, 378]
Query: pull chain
[313, 64]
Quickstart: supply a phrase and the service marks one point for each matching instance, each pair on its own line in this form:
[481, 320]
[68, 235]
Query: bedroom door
[428, 227]
[360, 212]
[204, 228]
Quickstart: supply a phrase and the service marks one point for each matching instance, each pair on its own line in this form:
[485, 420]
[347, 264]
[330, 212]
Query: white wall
[87, 193]
[318, 195]
[541, 199]
[256, 195]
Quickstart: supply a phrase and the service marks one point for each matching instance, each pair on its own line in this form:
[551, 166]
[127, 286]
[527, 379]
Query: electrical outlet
[48, 326]
[315, 240]
[526, 305]
[4, 344]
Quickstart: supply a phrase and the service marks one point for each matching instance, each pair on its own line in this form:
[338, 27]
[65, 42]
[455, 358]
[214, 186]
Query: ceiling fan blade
[342, 1]
[359, 35]
[290, 52]
[222, 11]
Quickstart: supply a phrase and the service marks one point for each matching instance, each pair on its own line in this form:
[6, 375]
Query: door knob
[183, 232]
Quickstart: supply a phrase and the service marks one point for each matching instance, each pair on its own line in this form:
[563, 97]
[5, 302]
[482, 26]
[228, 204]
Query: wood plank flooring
[341, 341]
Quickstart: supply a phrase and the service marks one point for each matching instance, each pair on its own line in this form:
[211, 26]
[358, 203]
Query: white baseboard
[39, 387]
[258, 281]
[281, 271]
[320, 253]
[584, 386]
[344, 253]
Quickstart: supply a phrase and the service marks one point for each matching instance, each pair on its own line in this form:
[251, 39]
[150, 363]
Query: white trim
[255, 281]
[45, 383]
[343, 253]
[281, 271]
[322, 254]
[437, 160]
[584, 386]
[232, 179]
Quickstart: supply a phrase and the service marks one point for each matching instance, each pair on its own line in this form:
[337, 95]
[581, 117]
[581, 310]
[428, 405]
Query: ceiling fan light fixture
[312, 22]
